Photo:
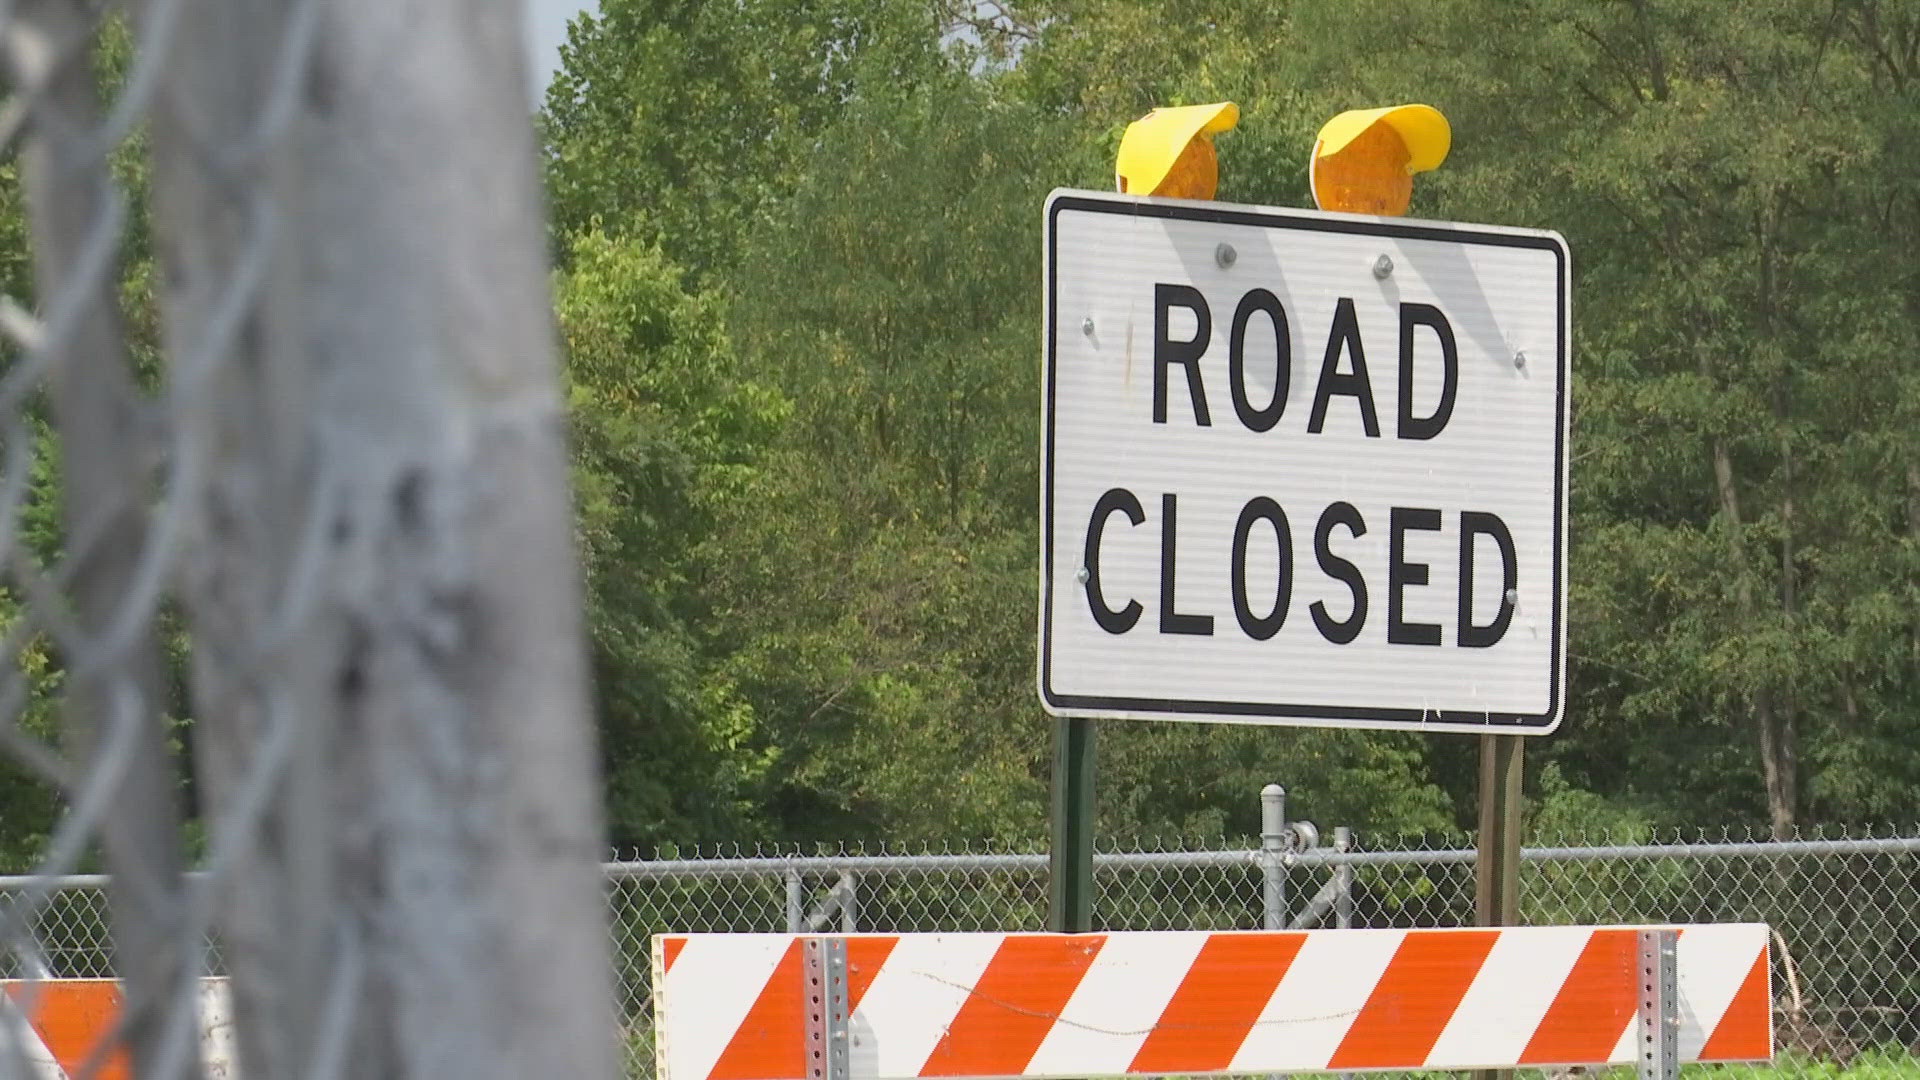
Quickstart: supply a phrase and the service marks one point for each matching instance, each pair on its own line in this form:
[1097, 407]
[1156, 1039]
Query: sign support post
[1497, 871]
[1496, 892]
[1070, 861]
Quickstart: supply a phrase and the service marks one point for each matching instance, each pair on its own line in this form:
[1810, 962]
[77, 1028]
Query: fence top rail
[1006, 862]
[23, 882]
[1036, 863]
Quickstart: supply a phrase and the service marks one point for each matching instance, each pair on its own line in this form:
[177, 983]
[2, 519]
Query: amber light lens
[1367, 176]
[1195, 173]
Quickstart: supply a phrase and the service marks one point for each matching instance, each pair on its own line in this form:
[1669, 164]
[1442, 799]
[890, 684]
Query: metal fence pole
[1343, 890]
[796, 904]
[1343, 879]
[1273, 843]
[849, 902]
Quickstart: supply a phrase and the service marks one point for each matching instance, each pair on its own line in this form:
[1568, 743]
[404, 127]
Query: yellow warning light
[1170, 151]
[1364, 159]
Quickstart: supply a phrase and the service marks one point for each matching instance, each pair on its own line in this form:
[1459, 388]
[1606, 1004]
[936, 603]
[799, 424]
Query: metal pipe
[1317, 908]
[1343, 879]
[849, 903]
[764, 865]
[779, 866]
[1273, 845]
[796, 904]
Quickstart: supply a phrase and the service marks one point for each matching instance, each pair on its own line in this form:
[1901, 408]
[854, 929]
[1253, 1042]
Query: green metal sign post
[1070, 881]
[1496, 892]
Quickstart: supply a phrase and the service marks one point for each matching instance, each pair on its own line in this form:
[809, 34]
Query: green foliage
[680, 121]
[1586, 893]
[857, 198]
[28, 805]
[666, 434]
[879, 595]
[799, 309]
[800, 306]
[1200, 781]
[1890, 1063]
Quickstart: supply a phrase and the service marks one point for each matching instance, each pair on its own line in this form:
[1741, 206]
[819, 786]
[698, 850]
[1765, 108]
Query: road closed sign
[1302, 468]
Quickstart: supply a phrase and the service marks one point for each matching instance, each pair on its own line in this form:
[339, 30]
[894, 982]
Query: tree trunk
[1774, 735]
[384, 582]
[1779, 734]
[1913, 537]
[114, 720]
[1780, 768]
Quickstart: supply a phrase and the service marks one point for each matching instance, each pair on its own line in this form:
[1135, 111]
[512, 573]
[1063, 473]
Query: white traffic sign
[1302, 468]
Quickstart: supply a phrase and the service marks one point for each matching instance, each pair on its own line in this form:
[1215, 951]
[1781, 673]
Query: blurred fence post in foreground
[345, 469]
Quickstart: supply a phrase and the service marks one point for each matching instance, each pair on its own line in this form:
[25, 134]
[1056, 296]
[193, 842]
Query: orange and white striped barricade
[901, 1007]
[63, 1028]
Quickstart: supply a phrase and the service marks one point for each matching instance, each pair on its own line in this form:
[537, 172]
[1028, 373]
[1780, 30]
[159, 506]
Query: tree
[28, 802]
[114, 734]
[1737, 187]
[878, 608]
[667, 435]
[679, 122]
[1713, 171]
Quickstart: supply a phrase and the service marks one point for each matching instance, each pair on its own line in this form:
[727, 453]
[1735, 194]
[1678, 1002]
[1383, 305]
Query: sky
[546, 29]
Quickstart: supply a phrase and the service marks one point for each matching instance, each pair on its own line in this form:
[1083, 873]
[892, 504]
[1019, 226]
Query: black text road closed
[1302, 468]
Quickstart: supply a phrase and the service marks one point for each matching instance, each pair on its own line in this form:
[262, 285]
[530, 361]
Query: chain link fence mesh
[1847, 911]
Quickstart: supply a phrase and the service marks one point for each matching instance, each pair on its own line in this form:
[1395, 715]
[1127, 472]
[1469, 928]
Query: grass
[1886, 1063]
[1890, 1063]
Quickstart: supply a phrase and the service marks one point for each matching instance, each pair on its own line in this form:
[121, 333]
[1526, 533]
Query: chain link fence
[1846, 909]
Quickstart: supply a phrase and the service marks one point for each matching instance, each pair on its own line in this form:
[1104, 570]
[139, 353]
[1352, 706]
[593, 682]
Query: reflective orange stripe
[770, 1042]
[1217, 1002]
[1415, 997]
[1745, 1030]
[1594, 1005]
[864, 957]
[1014, 1005]
[71, 1016]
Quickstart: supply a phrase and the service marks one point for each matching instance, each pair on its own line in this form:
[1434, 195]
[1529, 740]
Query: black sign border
[1277, 712]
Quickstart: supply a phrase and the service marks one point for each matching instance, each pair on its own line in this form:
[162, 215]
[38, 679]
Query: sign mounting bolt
[1382, 267]
[1086, 326]
[1224, 256]
[1513, 596]
[1519, 361]
[1081, 575]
